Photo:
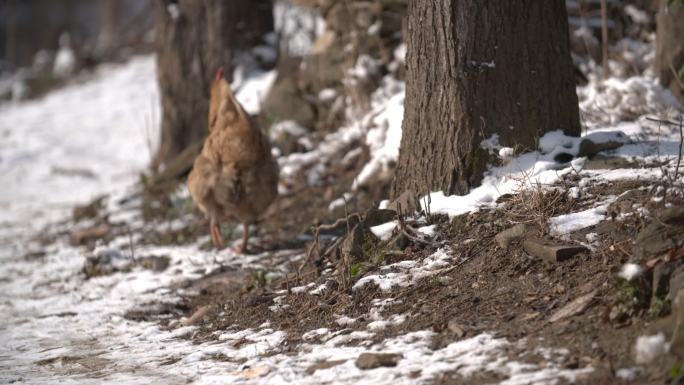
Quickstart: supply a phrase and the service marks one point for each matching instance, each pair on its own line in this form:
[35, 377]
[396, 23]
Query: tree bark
[670, 47]
[476, 68]
[194, 39]
[108, 30]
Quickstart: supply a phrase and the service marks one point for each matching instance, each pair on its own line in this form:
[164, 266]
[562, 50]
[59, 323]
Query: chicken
[235, 175]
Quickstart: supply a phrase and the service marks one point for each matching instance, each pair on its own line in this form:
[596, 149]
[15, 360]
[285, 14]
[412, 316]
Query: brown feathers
[235, 175]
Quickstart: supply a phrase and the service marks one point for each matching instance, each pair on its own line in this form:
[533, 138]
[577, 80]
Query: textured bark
[477, 68]
[670, 47]
[190, 48]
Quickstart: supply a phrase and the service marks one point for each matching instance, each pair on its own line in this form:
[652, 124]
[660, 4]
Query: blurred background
[304, 68]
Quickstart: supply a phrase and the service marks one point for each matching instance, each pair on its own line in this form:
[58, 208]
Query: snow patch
[630, 271]
[648, 348]
[406, 273]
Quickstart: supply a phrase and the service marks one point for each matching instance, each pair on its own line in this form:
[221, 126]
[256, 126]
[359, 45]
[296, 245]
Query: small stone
[323, 365]
[106, 261]
[506, 237]
[154, 263]
[456, 328]
[376, 360]
[550, 251]
[575, 307]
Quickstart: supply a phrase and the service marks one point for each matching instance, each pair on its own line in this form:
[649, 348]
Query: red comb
[219, 73]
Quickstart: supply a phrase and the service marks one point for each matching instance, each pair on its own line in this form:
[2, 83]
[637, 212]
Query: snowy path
[75, 144]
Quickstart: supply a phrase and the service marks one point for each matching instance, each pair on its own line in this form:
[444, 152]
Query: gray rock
[589, 148]
[506, 237]
[376, 360]
[677, 341]
[664, 233]
[353, 246]
[676, 281]
[551, 251]
[661, 279]
[376, 217]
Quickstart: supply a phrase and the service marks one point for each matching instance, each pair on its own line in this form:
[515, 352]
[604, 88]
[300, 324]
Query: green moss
[356, 269]
[374, 252]
[659, 308]
[630, 298]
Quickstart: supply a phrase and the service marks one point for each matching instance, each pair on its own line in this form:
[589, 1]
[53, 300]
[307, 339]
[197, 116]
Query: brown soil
[506, 292]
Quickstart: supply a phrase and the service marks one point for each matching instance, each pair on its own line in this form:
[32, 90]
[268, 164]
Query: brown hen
[235, 176]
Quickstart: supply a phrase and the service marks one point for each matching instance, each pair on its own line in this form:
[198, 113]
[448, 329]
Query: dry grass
[535, 203]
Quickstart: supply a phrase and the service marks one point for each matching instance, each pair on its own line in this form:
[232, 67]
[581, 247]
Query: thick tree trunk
[476, 68]
[194, 39]
[670, 47]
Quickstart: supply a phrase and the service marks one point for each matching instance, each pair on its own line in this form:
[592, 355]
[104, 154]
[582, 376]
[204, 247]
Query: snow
[648, 348]
[174, 11]
[327, 94]
[299, 27]
[630, 271]
[385, 230]
[627, 374]
[340, 202]
[506, 154]
[617, 100]
[251, 87]
[428, 230]
[97, 135]
[65, 60]
[384, 138]
[406, 273]
[565, 224]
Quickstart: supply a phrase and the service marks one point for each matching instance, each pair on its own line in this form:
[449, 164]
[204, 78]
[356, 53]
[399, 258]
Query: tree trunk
[670, 47]
[194, 39]
[108, 28]
[476, 68]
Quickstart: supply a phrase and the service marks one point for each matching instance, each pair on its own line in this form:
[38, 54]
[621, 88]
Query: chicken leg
[216, 237]
[245, 237]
